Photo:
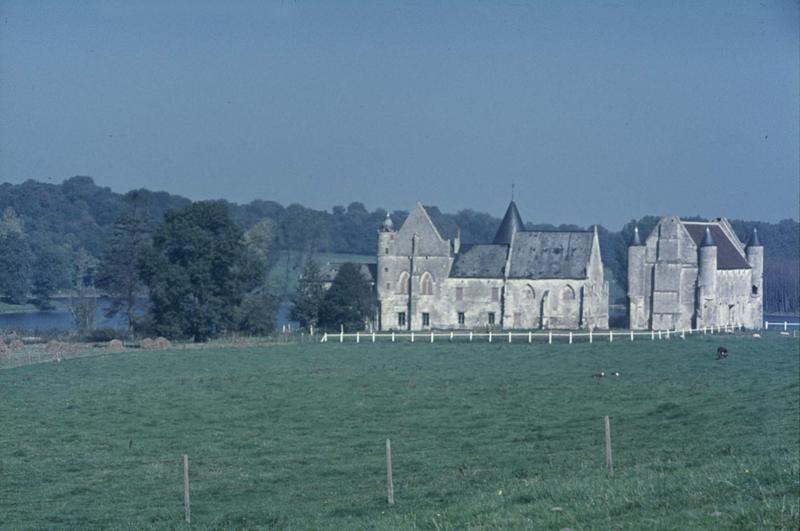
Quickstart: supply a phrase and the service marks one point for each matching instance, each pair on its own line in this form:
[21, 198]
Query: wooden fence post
[570, 338]
[490, 336]
[590, 334]
[509, 337]
[389, 480]
[392, 336]
[530, 336]
[431, 336]
[550, 338]
[187, 509]
[631, 335]
[609, 456]
[610, 336]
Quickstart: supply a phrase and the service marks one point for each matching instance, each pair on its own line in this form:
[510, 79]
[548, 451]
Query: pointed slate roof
[512, 222]
[708, 240]
[754, 241]
[636, 240]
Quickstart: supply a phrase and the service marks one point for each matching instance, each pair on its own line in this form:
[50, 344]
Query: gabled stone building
[690, 274]
[522, 280]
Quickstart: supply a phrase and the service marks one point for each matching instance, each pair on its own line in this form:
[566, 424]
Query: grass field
[484, 436]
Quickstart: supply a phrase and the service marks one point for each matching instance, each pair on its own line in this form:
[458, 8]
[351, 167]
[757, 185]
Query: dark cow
[722, 352]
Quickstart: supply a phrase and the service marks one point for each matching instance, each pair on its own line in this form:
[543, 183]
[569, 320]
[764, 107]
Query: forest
[63, 238]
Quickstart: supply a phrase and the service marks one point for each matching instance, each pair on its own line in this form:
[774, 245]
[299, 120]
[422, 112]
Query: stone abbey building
[522, 280]
[690, 274]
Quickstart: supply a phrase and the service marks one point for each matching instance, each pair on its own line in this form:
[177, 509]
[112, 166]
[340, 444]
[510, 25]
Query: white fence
[776, 325]
[529, 337]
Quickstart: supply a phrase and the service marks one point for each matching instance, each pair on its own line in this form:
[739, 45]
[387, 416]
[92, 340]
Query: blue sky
[598, 111]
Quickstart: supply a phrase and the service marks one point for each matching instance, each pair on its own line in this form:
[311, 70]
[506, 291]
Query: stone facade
[523, 280]
[692, 275]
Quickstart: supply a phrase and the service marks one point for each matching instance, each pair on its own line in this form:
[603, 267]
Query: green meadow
[484, 436]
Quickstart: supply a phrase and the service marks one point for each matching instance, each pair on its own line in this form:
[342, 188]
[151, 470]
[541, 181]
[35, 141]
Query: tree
[197, 271]
[308, 296]
[257, 313]
[82, 300]
[50, 273]
[348, 302]
[118, 274]
[15, 267]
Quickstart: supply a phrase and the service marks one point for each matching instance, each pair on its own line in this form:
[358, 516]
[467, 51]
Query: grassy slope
[491, 436]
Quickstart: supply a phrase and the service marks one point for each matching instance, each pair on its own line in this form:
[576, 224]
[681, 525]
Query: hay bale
[162, 343]
[116, 344]
[148, 344]
[16, 345]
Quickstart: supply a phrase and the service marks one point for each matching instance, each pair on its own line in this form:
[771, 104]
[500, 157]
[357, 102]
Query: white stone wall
[664, 284]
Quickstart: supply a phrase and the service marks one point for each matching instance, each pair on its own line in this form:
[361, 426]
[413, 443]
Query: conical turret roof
[754, 241]
[708, 240]
[636, 240]
[512, 222]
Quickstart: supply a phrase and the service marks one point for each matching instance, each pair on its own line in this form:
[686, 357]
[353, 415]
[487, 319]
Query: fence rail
[528, 336]
[785, 325]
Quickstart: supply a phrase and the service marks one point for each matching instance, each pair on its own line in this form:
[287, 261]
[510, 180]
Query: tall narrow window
[495, 294]
[426, 285]
[401, 319]
[459, 293]
[461, 318]
[568, 293]
[426, 319]
[402, 283]
[491, 318]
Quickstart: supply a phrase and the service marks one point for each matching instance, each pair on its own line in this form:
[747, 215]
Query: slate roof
[551, 254]
[512, 222]
[754, 241]
[480, 261]
[728, 256]
[535, 255]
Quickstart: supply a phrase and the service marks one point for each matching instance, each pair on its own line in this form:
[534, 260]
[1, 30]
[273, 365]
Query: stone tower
[637, 287]
[705, 303]
[755, 257]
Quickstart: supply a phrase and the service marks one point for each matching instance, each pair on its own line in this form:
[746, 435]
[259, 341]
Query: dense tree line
[75, 238]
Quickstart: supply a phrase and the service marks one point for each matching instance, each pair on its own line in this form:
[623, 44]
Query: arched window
[567, 293]
[402, 283]
[529, 293]
[426, 284]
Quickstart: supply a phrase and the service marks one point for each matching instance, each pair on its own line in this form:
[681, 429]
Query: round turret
[707, 281]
